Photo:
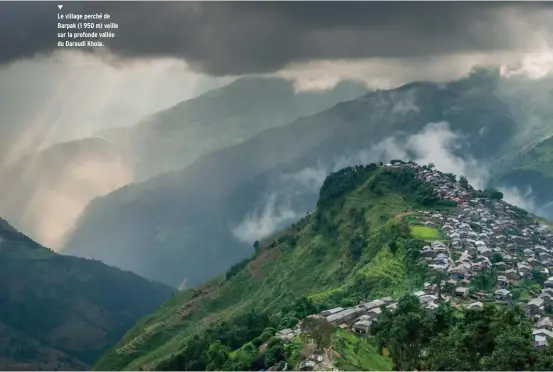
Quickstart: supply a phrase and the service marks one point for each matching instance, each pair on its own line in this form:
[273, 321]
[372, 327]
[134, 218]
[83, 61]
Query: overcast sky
[166, 52]
[222, 38]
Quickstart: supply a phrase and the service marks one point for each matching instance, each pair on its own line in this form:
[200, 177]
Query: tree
[256, 245]
[448, 352]
[393, 247]
[512, 351]
[437, 279]
[539, 277]
[493, 194]
[463, 182]
[217, 355]
[449, 288]
[275, 352]
[355, 247]
[451, 177]
[318, 330]
[406, 332]
[484, 281]
[492, 338]
[496, 257]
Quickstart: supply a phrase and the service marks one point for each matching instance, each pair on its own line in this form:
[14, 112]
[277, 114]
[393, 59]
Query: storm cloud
[233, 38]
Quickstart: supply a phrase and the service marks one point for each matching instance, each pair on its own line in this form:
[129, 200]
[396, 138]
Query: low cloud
[49, 192]
[264, 222]
[521, 198]
[436, 143]
[524, 198]
[310, 178]
[388, 73]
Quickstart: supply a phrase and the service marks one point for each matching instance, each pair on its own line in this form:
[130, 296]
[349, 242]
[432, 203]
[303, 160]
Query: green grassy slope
[425, 233]
[352, 246]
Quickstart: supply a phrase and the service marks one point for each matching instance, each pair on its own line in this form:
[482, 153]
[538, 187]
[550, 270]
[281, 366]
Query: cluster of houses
[445, 186]
[479, 234]
[484, 234]
[358, 318]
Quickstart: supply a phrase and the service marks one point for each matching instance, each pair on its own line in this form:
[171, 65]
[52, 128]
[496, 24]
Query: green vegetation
[62, 312]
[425, 233]
[317, 330]
[489, 194]
[352, 247]
[356, 353]
[495, 338]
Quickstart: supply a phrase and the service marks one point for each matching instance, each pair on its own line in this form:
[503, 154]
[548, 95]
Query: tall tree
[437, 278]
[407, 331]
[318, 330]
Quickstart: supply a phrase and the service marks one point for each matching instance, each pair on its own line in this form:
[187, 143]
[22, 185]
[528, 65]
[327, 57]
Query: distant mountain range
[61, 313]
[192, 224]
[65, 177]
[174, 138]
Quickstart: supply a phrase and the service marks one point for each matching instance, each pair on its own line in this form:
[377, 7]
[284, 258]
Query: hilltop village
[483, 249]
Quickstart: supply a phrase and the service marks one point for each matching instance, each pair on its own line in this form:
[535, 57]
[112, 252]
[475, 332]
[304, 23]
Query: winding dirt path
[404, 214]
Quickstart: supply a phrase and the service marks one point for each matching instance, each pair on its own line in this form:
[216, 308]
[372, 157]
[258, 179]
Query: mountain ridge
[62, 312]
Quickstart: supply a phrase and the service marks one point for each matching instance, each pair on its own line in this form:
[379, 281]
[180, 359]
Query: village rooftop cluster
[478, 234]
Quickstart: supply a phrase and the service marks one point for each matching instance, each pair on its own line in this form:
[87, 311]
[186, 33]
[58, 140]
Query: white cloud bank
[260, 224]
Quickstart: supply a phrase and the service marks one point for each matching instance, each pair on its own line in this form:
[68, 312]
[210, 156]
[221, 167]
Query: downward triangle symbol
[60, 6]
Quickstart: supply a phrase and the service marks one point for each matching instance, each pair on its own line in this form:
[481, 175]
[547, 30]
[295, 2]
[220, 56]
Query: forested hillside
[60, 312]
